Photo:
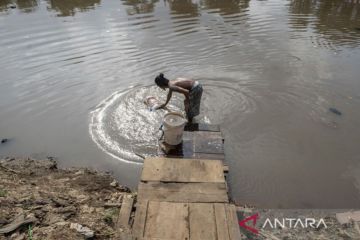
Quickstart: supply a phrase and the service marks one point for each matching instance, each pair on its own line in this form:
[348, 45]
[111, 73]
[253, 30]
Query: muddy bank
[40, 201]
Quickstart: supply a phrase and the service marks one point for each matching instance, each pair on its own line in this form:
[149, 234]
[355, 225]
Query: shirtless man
[191, 89]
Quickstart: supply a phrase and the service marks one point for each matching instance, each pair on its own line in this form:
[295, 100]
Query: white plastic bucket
[173, 127]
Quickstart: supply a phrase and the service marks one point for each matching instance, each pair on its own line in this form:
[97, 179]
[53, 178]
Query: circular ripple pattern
[123, 126]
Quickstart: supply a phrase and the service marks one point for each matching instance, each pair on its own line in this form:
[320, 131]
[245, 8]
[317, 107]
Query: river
[74, 75]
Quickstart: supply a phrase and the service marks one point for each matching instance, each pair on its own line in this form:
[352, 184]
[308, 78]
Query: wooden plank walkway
[183, 193]
[194, 221]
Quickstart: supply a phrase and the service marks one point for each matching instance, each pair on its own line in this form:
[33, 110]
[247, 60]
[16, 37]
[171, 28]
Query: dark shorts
[195, 99]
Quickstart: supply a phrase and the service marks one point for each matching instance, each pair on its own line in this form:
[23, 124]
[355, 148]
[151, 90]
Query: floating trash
[334, 110]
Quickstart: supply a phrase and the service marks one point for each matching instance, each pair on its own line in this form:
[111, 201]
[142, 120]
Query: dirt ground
[56, 203]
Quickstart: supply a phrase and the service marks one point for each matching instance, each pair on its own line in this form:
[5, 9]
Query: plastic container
[173, 127]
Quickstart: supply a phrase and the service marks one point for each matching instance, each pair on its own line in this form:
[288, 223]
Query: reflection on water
[70, 7]
[337, 21]
[270, 70]
[139, 6]
[25, 6]
[184, 8]
[4, 5]
[226, 7]
[64, 8]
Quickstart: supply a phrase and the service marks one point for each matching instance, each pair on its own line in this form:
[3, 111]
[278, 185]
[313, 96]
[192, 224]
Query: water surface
[74, 75]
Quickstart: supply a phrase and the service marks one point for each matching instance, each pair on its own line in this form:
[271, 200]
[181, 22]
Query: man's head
[161, 81]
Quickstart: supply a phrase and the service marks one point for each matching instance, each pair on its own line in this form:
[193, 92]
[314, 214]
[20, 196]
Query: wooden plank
[125, 211]
[140, 219]
[185, 149]
[221, 222]
[183, 192]
[209, 156]
[126, 236]
[180, 170]
[205, 142]
[208, 142]
[202, 127]
[167, 221]
[188, 136]
[210, 135]
[191, 155]
[232, 222]
[202, 134]
[202, 221]
[201, 145]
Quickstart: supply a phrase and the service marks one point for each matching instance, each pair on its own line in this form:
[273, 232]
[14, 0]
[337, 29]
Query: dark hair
[161, 81]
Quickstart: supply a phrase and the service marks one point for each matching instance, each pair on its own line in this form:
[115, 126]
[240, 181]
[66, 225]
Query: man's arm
[186, 94]
[167, 99]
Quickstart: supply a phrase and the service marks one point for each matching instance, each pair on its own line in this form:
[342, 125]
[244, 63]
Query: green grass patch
[3, 192]
[30, 233]
[111, 215]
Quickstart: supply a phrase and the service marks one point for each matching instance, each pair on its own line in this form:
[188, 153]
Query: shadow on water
[336, 21]
[139, 6]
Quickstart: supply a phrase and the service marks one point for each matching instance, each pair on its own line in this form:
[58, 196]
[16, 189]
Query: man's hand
[158, 107]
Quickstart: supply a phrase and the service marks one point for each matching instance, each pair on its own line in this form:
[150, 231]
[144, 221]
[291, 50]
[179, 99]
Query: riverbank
[40, 201]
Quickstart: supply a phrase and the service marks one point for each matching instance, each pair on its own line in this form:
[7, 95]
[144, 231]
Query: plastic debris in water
[4, 140]
[152, 103]
[334, 110]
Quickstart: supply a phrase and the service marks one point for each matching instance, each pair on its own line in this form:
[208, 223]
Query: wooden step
[202, 127]
[183, 192]
[193, 221]
[181, 170]
[125, 212]
[196, 144]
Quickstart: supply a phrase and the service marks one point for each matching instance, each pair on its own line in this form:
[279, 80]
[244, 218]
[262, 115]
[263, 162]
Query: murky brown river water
[73, 74]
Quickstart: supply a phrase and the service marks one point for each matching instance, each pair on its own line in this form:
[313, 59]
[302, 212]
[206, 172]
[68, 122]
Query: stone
[114, 183]
[62, 223]
[334, 110]
[85, 231]
[348, 217]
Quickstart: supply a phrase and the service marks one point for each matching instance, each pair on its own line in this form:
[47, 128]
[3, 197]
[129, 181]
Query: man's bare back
[185, 83]
[185, 86]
